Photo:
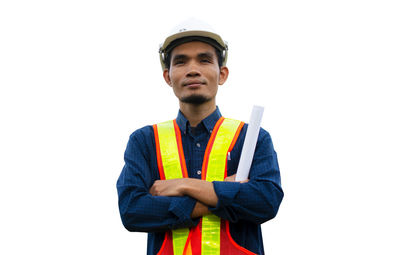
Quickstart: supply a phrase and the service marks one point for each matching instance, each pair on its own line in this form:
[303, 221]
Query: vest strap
[171, 165]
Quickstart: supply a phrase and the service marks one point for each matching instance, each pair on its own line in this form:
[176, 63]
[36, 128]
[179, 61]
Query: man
[178, 180]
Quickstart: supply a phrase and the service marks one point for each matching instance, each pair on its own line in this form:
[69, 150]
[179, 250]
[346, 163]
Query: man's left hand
[232, 179]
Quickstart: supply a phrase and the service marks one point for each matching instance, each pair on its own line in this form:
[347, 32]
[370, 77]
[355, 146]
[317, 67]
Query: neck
[196, 113]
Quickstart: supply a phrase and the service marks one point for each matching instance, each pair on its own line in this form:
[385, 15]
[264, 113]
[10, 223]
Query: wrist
[199, 210]
[187, 183]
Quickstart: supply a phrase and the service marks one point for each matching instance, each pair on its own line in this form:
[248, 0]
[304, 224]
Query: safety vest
[211, 236]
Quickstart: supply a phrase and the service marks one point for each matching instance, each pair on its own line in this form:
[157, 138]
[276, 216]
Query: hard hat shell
[193, 28]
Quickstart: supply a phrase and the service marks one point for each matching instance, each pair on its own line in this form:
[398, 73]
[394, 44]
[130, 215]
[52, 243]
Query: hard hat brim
[165, 47]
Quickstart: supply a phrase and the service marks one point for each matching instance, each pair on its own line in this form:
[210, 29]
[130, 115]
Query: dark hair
[213, 43]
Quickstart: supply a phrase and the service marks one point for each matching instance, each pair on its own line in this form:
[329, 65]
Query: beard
[195, 99]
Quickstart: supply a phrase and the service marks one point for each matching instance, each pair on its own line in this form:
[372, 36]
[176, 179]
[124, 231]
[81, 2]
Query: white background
[77, 77]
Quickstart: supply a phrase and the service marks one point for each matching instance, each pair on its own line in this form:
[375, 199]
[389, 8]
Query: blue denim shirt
[244, 205]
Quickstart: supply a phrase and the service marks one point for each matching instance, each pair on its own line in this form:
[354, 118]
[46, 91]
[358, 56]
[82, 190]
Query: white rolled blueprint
[250, 142]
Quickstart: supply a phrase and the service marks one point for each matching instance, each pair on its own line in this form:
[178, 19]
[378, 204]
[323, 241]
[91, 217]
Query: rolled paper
[250, 142]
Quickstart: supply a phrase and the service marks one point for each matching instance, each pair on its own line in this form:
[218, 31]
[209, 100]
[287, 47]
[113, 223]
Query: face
[194, 73]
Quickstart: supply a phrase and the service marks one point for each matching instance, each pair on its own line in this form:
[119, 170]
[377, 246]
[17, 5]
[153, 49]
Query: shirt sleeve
[257, 200]
[139, 210]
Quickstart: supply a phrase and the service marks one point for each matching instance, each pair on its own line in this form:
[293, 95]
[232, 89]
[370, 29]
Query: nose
[193, 70]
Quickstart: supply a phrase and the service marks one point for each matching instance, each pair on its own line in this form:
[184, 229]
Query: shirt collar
[208, 122]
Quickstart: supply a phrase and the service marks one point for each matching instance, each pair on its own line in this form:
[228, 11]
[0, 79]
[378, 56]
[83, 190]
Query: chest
[194, 146]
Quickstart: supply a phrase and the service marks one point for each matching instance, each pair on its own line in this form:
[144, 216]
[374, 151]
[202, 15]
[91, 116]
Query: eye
[178, 62]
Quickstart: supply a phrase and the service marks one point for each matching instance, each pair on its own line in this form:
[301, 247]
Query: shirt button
[199, 172]
[198, 145]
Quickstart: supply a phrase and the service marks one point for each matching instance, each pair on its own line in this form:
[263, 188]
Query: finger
[153, 190]
[230, 178]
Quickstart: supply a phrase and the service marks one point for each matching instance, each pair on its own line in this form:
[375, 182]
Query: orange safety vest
[211, 235]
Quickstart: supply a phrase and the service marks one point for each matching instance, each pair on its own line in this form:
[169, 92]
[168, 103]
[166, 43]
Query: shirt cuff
[226, 193]
[182, 208]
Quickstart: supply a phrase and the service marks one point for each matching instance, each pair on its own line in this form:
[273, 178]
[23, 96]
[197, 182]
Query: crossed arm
[151, 206]
[201, 190]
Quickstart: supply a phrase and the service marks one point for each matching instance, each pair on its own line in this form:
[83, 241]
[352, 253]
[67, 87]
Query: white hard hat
[194, 30]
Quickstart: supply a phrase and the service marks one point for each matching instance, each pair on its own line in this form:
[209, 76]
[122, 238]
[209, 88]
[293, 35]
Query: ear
[166, 77]
[223, 75]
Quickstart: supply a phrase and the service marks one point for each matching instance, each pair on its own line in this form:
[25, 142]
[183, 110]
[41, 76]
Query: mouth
[194, 83]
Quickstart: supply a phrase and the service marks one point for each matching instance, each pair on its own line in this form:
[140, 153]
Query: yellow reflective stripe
[172, 169]
[211, 224]
[210, 235]
[219, 151]
[169, 150]
[179, 237]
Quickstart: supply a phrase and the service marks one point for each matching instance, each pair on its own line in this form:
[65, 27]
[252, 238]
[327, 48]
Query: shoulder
[264, 139]
[141, 141]
[142, 135]
[145, 133]
[262, 136]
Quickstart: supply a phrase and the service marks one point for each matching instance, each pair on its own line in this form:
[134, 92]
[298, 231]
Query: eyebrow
[207, 55]
[179, 57]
